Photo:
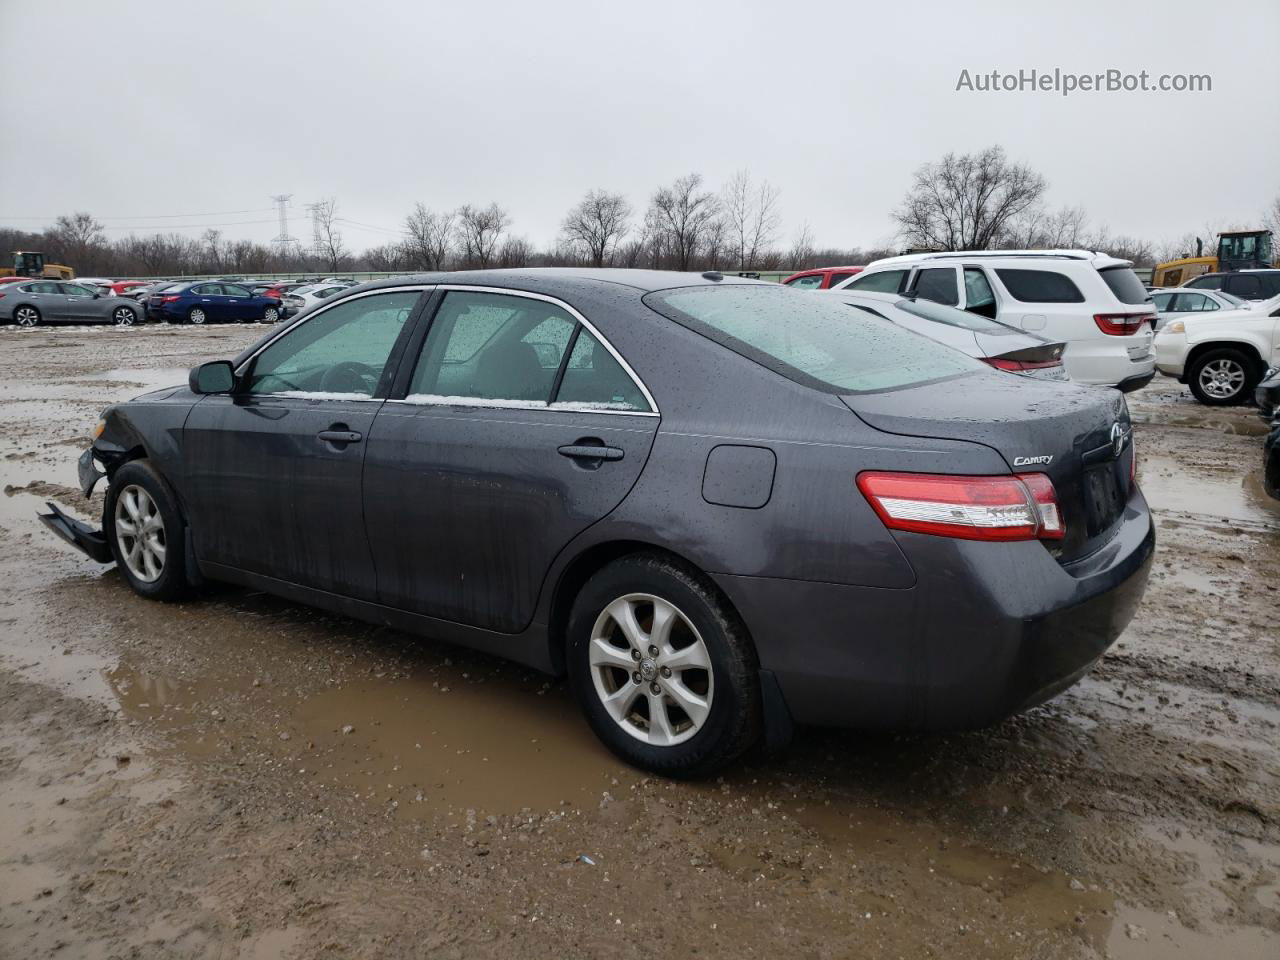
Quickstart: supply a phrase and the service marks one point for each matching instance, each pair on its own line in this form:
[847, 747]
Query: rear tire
[26, 316]
[197, 316]
[270, 315]
[705, 661]
[1222, 376]
[124, 316]
[146, 533]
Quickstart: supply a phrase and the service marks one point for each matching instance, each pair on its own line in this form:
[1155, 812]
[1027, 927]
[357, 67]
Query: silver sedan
[60, 301]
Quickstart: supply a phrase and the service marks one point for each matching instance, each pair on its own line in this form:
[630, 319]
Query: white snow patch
[436, 399]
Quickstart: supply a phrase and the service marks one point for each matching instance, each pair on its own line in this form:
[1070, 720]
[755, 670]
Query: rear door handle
[589, 451]
[340, 436]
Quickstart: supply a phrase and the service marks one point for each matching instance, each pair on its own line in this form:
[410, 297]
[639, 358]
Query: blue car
[207, 301]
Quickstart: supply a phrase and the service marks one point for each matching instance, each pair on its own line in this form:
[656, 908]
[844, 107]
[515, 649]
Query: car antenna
[713, 275]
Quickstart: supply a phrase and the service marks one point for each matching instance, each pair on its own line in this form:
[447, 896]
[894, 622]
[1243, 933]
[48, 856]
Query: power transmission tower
[282, 240]
[317, 240]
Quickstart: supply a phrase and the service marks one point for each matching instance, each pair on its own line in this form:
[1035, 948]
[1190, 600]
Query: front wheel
[663, 667]
[197, 316]
[124, 316]
[146, 533]
[1221, 377]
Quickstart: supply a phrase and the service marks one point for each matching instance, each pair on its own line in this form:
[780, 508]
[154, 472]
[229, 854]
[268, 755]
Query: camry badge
[1046, 459]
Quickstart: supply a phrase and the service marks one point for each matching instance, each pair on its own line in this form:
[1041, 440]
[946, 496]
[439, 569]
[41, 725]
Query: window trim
[328, 305]
[552, 406]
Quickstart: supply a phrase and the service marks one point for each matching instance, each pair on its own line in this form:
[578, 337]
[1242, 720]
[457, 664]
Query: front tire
[197, 316]
[26, 316]
[124, 316]
[1222, 377]
[663, 667]
[146, 532]
[270, 315]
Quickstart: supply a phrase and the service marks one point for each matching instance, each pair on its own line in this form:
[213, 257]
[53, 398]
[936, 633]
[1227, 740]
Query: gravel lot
[239, 777]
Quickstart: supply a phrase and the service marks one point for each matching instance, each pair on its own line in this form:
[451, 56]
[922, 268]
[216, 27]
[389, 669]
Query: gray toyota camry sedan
[722, 507]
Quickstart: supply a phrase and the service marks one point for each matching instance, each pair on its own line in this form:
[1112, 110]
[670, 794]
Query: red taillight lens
[1022, 507]
[1018, 366]
[1122, 324]
[169, 299]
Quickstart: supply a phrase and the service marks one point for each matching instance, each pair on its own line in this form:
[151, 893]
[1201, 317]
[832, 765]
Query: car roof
[568, 279]
[1094, 257]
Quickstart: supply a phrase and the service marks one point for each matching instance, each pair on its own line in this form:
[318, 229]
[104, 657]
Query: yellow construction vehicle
[1237, 250]
[30, 263]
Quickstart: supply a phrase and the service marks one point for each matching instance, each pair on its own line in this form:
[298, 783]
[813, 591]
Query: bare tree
[1271, 218]
[80, 239]
[597, 225]
[429, 237]
[211, 248]
[331, 245]
[680, 215]
[752, 216]
[515, 252]
[388, 257]
[801, 254]
[481, 229]
[966, 201]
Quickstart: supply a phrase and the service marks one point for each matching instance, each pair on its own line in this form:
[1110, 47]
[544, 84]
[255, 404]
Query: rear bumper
[989, 630]
[1106, 361]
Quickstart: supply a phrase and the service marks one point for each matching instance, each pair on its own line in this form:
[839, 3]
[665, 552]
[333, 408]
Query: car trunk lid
[1080, 437]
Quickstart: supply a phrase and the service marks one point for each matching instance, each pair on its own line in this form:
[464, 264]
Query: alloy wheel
[271, 315]
[651, 669]
[196, 315]
[123, 317]
[1222, 379]
[139, 529]
[27, 316]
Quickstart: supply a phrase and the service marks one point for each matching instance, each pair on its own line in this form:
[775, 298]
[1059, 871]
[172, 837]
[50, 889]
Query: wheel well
[1247, 349]
[582, 568]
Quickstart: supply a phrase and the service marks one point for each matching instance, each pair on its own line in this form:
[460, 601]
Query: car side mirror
[217, 376]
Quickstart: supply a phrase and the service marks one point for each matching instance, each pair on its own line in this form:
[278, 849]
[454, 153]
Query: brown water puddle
[1237, 495]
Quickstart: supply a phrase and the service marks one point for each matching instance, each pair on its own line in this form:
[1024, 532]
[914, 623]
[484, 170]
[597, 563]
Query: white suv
[1092, 302]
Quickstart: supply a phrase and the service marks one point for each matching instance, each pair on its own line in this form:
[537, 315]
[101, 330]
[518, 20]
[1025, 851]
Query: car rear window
[1040, 286]
[1124, 283]
[951, 316]
[817, 341]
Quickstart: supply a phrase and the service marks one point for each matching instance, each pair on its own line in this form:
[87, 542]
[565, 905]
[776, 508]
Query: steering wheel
[350, 377]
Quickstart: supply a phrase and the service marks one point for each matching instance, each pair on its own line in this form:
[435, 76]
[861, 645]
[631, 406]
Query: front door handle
[340, 436]
[589, 451]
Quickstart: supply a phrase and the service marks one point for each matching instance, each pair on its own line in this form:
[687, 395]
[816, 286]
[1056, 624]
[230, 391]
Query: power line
[154, 216]
[179, 226]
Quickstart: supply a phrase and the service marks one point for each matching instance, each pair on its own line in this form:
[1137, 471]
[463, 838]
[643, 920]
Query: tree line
[975, 201]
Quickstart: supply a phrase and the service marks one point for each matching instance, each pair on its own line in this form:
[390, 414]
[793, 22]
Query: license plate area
[1103, 501]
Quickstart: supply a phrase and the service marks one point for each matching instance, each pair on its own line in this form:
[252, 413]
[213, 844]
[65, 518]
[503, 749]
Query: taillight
[169, 299]
[1018, 366]
[1021, 507]
[1122, 324]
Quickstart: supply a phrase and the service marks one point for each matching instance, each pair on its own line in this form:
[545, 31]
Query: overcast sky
[137, 111]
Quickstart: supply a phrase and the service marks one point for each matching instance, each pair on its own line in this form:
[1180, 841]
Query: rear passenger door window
[594, 379]
[1039, 286]
[939, 285]
[492, 347]
[1244, 286]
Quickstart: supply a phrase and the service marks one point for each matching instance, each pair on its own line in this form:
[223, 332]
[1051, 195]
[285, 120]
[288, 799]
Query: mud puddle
[1233, 493]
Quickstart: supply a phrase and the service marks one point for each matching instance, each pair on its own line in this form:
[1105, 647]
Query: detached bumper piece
[79, 534]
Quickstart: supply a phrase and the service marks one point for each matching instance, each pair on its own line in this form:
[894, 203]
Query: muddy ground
[240, 777]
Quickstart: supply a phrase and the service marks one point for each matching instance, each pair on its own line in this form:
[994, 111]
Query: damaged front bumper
[77, 533]
[91, 542]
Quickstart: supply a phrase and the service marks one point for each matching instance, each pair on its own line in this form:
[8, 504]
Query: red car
[822, 279]
[121, 288]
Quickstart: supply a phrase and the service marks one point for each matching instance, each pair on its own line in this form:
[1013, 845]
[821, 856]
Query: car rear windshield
[1124, 283]
[951, 316]
[814, 340]
[1040, 286]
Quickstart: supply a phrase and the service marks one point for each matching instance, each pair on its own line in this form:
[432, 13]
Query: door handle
[340, 436]
[589, 451]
